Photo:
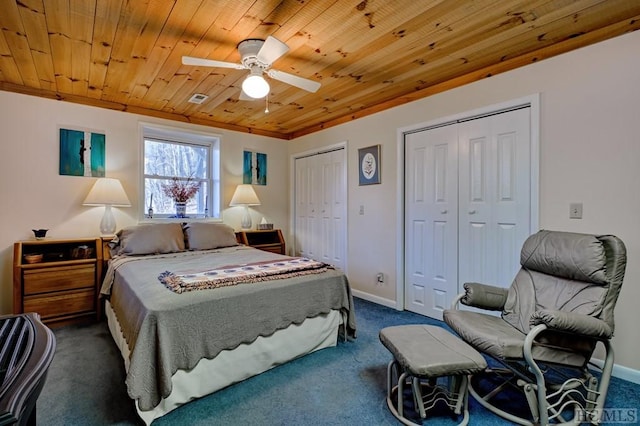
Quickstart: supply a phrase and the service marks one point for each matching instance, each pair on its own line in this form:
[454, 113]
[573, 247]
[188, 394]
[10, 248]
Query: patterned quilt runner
[241, 274]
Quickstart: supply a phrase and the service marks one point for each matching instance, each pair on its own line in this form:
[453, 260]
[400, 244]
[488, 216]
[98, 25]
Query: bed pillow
[150, 238]
[205, 236]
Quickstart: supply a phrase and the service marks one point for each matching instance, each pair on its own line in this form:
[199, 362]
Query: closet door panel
[313, 211]
[417, 292]
[431, 220]
[508, 252]
[326, 203]
[477, 178]
[495, 161]
[301, 207]
[338, 209]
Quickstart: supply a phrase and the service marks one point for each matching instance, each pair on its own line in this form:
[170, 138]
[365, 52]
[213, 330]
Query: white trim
[375, 299]
[533, 101]
[489, 109]
[175, 134]
[167, 131]
[321, 150]
[621, 372]
[399, 305]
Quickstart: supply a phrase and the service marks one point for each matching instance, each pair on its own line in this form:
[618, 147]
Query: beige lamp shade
[244, 196]
[107, 192]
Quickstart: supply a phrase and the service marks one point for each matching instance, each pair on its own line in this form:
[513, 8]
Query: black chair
[27, 348]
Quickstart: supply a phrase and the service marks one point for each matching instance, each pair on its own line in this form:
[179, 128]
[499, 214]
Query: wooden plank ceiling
[369, 55]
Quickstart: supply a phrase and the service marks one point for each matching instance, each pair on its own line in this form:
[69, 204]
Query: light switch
[575, 211]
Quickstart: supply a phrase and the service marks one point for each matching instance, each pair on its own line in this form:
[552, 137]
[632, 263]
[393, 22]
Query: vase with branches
[181, 191]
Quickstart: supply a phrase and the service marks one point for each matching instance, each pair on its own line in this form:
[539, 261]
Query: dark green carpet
[344, 385]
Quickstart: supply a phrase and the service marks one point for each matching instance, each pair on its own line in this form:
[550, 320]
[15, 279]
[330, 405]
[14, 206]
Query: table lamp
[107, 192]
[245, 196]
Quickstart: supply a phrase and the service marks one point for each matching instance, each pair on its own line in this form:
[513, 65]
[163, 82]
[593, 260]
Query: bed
[193, 312]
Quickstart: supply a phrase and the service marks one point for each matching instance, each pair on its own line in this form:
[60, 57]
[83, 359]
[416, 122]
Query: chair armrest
[571, 322]
[484, 296]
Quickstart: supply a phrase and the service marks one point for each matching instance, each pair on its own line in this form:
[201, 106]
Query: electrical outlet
[575, 211]
[361, 210]
[380, 278]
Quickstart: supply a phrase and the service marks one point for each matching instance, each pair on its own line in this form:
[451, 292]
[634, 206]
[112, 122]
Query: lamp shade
[244, 196]
[107, 191]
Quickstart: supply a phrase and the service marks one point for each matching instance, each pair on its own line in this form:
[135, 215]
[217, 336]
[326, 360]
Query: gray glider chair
[545, 328]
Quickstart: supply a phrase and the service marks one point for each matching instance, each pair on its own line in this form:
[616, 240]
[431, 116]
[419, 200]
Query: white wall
[35, 196]
[589, 152]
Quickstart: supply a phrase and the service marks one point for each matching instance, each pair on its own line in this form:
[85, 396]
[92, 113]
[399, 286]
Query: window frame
[175, 135]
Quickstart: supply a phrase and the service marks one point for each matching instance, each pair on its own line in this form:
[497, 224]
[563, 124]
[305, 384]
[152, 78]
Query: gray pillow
[153, 238]
[205, 236]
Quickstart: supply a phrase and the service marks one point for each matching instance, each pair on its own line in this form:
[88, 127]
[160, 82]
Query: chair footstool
[421, 355]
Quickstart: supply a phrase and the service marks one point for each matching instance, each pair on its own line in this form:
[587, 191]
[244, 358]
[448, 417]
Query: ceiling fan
[257, 55]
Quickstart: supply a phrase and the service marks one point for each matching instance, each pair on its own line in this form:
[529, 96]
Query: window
[177, 154]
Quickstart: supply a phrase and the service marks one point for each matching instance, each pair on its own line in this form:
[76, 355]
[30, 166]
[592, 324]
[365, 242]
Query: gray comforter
[166, 331]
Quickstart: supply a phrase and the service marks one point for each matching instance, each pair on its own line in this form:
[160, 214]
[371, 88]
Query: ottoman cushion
[431, 351]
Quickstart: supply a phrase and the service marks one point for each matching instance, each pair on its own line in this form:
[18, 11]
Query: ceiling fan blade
[190, 60]
[294, 80]
[271, 50]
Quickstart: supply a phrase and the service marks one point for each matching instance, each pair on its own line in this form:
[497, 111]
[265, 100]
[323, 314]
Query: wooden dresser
[58, 279]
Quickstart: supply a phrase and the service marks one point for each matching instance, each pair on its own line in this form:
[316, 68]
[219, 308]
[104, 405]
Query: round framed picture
[369, 162]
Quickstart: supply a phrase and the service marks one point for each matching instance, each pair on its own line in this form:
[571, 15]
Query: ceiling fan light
[255, 86]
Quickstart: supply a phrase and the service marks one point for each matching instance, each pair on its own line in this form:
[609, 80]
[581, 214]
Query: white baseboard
[621, 372]
[375, 299]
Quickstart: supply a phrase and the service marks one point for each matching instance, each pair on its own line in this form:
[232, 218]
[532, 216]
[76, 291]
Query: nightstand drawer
[59, 278]
[62, 303]
[271, 240]
[273, 248]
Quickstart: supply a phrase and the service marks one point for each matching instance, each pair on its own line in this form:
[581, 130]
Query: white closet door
[320, 191]
[431, 220]
[494, 196]
[467, 207]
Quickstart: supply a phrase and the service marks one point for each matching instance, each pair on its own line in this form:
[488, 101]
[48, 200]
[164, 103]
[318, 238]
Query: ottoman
[421, 355]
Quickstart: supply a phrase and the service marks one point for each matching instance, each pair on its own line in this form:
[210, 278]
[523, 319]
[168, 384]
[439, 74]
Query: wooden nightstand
[271, 240]
[63, 284]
